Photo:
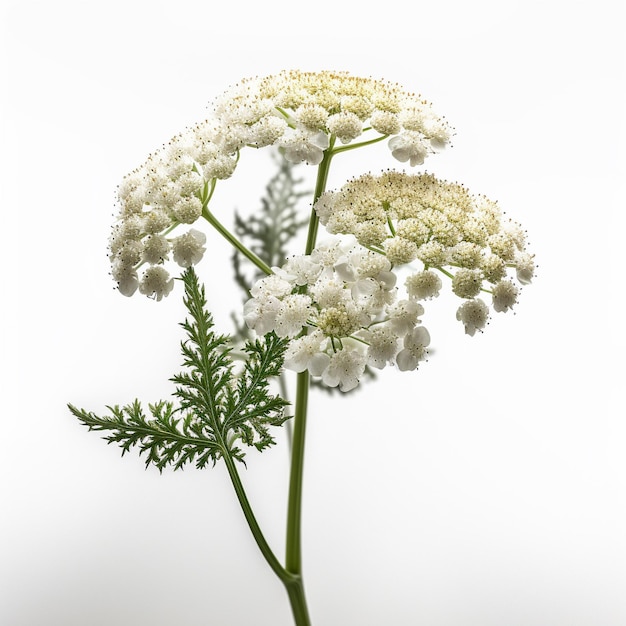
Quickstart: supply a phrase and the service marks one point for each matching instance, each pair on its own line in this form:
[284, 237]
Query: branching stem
[270, 557]
[293, 556]
[291, 573]
[220, 228]
[354, 146]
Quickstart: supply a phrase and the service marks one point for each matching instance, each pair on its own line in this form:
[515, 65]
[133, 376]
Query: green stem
[293, 582]
[293, 557]
[270, 557]
[354, 146]
[320, 187]
[448, 274]
[297, 599]
[209, 217]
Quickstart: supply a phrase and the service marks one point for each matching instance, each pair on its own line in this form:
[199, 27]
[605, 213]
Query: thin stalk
[297, 599]
[287, 578]
[222, 230]
[354, 146]
[293, 582]
[320, 187]
[293, 556]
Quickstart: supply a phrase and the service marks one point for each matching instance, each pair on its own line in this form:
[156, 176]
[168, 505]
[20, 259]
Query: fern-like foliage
[220, 405]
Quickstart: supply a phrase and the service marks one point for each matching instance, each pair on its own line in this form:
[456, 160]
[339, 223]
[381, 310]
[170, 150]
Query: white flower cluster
[440, 224]
[300, 112]
[343, 311]
[167, 191]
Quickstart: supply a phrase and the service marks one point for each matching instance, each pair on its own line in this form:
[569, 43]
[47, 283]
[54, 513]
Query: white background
[486, 489]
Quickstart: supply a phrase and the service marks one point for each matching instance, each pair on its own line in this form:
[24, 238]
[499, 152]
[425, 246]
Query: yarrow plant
[348, 304]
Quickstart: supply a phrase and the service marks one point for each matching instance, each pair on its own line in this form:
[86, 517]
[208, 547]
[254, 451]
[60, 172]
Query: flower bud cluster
[300, 112]
[440, 224]
[343, 310]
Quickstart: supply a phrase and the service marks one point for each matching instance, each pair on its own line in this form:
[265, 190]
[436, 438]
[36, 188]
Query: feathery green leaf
[219, 403]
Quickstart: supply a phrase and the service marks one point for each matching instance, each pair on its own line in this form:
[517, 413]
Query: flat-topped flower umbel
[302, 112]
[439, 226]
